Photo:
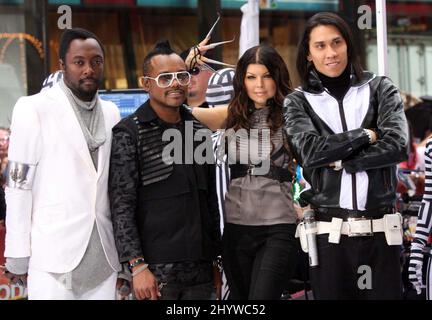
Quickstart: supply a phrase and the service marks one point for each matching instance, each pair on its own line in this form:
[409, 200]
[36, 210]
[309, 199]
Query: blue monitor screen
[126, 100]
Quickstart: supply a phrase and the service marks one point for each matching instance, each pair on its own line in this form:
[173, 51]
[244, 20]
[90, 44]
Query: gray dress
[257, 200]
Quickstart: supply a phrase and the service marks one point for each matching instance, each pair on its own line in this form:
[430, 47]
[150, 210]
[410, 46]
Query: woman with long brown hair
[259, 247]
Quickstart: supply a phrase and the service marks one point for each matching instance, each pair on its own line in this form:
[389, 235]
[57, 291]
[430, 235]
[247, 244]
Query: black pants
[258, 260]
[189, 280]
[357, 268]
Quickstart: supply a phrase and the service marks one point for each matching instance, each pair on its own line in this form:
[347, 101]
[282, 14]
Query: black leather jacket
[315, 145]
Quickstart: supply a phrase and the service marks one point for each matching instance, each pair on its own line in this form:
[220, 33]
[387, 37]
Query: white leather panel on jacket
[355, 105]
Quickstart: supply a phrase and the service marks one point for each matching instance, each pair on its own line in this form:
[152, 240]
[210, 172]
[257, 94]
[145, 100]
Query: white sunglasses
[164, 80]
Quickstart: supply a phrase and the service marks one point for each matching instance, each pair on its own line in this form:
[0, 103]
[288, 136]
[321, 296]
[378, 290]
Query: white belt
[390, 225]
[354, 227]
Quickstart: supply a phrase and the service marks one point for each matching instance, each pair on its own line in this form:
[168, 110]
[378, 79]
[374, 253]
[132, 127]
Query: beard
[83, 92]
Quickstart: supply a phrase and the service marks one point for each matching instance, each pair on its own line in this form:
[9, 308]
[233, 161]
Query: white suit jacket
[52, 222]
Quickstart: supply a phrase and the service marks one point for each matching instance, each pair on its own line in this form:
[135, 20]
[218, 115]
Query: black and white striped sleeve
[423, 228]
[222, 175]
[424, 221]
[222, 181]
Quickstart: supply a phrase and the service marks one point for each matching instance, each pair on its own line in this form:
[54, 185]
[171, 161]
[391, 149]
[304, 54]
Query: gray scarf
[91, 120]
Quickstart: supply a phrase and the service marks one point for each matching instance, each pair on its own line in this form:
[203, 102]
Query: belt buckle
[250, 170]
[360, 227]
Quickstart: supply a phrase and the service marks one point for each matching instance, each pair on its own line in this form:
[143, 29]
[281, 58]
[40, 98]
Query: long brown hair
[239, 108]
[326, 19]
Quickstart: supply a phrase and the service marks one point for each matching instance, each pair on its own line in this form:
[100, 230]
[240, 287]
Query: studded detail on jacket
[164, 212]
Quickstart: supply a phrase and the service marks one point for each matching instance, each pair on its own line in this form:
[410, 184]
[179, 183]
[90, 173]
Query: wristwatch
[218, 263]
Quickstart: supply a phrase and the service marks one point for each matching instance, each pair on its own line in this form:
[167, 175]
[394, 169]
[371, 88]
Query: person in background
[420, 115]
[422, 233]
[197, 88]
[202, 68]
[219, 94]
[412, 163]
[4, 146]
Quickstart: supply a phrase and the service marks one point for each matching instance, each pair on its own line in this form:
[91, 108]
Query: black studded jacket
[165, 212]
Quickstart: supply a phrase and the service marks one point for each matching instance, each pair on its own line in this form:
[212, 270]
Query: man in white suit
[59, 229]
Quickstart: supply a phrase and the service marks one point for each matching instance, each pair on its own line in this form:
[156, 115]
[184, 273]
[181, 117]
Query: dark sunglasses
[195, 71]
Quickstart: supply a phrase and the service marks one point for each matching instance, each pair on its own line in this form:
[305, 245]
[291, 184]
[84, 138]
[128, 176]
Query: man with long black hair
[348, 131]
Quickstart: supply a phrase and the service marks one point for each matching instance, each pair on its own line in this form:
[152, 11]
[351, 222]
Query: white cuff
[337, 165]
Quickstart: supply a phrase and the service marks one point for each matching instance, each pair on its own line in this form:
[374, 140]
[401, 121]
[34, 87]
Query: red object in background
[411, 163]
[8, 291]
[11, 291]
